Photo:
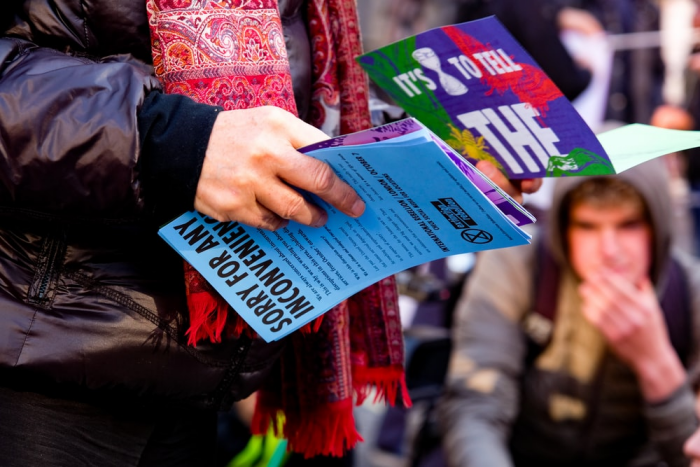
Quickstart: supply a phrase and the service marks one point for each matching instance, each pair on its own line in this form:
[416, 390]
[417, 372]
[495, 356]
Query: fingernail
[358, 208]
[488, 170]
[321, 221]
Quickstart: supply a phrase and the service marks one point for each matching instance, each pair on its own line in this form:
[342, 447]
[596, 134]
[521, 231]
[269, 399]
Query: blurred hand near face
[631, 320]
[627, 314]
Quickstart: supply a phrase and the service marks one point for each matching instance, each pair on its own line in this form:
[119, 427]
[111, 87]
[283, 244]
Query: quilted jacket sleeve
[94, 138]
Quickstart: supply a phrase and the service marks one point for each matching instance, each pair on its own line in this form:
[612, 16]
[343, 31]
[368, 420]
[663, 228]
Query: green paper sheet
[634, 144]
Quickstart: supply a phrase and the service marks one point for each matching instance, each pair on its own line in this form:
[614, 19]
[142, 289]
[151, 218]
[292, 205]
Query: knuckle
[271, 115]
[324, 177]
[269, 222]
[246, 179]
[636, 324]
[626, 331]
[232, 209]
[293, 207]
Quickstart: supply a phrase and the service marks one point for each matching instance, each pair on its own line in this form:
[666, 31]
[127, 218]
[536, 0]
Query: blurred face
[616, 237]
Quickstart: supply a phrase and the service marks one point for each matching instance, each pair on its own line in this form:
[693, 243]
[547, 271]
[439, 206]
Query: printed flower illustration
[473, 148]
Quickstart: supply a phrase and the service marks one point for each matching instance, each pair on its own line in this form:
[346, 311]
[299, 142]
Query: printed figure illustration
[430, 60]
[579, 162]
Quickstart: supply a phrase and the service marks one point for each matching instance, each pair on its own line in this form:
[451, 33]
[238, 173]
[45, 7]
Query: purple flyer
[477, 89]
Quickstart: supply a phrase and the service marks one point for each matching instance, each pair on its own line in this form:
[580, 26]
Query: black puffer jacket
[93, 157]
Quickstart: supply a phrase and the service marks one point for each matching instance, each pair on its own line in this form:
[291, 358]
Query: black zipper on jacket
[44, 284]
[43, 288]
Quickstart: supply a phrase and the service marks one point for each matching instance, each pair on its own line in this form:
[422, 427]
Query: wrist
[660, 376]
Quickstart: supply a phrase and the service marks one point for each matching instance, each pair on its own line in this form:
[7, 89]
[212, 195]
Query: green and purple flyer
[475, 87]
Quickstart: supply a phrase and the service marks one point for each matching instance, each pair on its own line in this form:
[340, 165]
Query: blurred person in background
[674, 117]
[536, 25]
[637, 77]
[576, 350]
[691, 159]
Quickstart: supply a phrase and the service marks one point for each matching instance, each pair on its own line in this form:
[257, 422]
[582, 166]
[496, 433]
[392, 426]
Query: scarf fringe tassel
[330, 431]
[389, 383]
[209, 318]
[208, 313]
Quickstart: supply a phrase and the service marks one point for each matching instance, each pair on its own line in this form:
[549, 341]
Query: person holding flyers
[577, 350]
[101, 361]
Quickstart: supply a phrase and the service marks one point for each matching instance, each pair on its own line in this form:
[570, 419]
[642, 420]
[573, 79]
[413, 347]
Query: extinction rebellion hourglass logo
[479, 237]
[459, 219]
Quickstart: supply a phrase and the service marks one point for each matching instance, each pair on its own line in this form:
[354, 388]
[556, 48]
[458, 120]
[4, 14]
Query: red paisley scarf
[231, 53]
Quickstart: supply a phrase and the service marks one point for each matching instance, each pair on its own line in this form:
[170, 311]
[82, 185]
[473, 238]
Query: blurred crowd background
[618, 62]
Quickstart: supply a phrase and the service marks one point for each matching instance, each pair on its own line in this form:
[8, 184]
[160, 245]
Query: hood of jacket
[651, 180]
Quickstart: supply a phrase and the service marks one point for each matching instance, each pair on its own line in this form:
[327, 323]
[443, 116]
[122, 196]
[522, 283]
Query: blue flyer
[421, 206]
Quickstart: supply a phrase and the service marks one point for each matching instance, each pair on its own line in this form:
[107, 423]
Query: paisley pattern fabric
[340, 101]
[232, 54]
[227, 53]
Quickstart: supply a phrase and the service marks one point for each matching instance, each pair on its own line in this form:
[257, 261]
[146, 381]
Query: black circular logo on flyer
[476, 236]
